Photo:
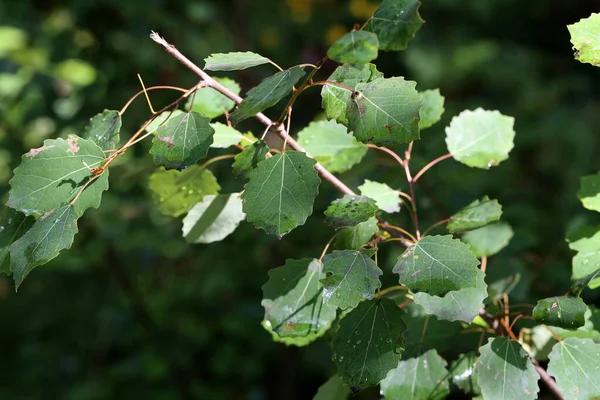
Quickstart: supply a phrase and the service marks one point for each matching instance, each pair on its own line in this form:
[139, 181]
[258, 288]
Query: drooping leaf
[457, 305]
[52, 232]
[213, 219]
[293, 300]
[477, 214]
[233, 61]
[333, 389]
[463, 374]
[437, 265]
[505, 371]
[350, 210]
[162, 119]
[565, 312]
[426, 331]
[586, 263]
[395, 22]
[385, 112]
[350, 276]
[103, 129]
[480, 138]
[175, 192]
[182, 141]
[280, 192]
[13, 225]
[331, 145]
[421, 378]
[433, 108]
[488, 240]
[387, 199]
[354, 237]
[589, 192]
[368, 343]
[249, 158]
[55, 173]
[335, 98]
[355, 48]
[225, 136]
[268, 93]
[210, 103]
[584, 36]
[574, 365]
[510, 276]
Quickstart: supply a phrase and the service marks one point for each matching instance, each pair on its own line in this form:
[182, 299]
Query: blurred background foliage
[133, 311]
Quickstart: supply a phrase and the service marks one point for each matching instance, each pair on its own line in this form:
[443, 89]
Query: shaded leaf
[175, 192]
[463, 373]
[387, 199]
[225, 136]
[584, 36]
[350, 210]
[586, 263]
[13, 225]
[293, 300]
[395, 22]
[249, 158]
[55, 173]
[335, 98]
[565, 312]
[510, 276]
[488, 240]
[103, 129]
[574, 365]
[268, 93]
[426, 331]
[368, 343]
[477, 214]
[350, 276]
[233, 61]
[210, 103]
[213, 219]
[505, 371]
[331, 145]
[589, 192]
[480, 138]
[421, 378]
[354, 237]
[385, 112]
[355, 48]
[333, 389]
[437, 265]
[280, 192]
[182, 141]
[433, 108]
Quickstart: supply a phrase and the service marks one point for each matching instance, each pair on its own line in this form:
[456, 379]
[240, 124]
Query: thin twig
[442, 222]
[431, 164]
[551, 383]
[390, 152]
[147, 90]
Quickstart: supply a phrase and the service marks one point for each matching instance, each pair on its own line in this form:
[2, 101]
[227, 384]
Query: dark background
[133, 311]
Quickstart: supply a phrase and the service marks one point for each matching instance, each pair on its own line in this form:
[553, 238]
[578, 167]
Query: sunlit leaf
[565, 312]
[350, 210]
[213, 219]
[488, 240]
[210, 103]
[249, 158]
[395, 22]
[387, 199]
[477, 214]
[589, 192]
[333, 389]
[574, 365]
[233, 61]
[433, 108]
[103, 129]
[13, 225]
[585, 38]
[225, 136]
[162, 119]
[354, 237]
[355, 48]
[586, 263]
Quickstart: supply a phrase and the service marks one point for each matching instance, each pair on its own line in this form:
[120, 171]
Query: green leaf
[225, 136]
[505, 372]
[589, 192]
[331, 145]
[584, 36]
[426, 331]
[213, 219]
[477, 214]
[387, 199]
[293, 300]
[211, 103]
[457, 305]
[488, 240]
[280, 192]
[586, 263]
[565, 312]
[55, 173]
[335, 98]
[249, 158]
[350, 210]
[463, 373]
[233, 61]
[103, 129]
[268, 93]
[355, 48]
[480, 138]
[13, 225]
[354, 237]
[182, 141]
[385, 112]
[350, 276]
[51, 233]
[437, 265]
[333, 389]
[176, 191]
[395, 22]
[161, 119]
[368, 343]
[574, 365]
[433, 108]
[421, 378]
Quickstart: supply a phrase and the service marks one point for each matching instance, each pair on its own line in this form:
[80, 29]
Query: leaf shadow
[511, 355]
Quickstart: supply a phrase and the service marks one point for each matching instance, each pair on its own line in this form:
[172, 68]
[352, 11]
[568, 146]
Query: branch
[278, 128]
[551, 383]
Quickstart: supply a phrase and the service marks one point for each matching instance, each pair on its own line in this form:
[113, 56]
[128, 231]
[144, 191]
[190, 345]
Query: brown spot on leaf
[168, 140]
[34, 152]
[390, 127]
[73, 146]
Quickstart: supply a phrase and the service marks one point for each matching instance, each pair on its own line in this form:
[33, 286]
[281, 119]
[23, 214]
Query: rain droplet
[1, 228]
[190, 192]
[183, 188]
[358, 341]
[162, 199]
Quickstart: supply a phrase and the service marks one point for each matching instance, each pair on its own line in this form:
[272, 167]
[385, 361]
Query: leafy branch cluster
[398, 337]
